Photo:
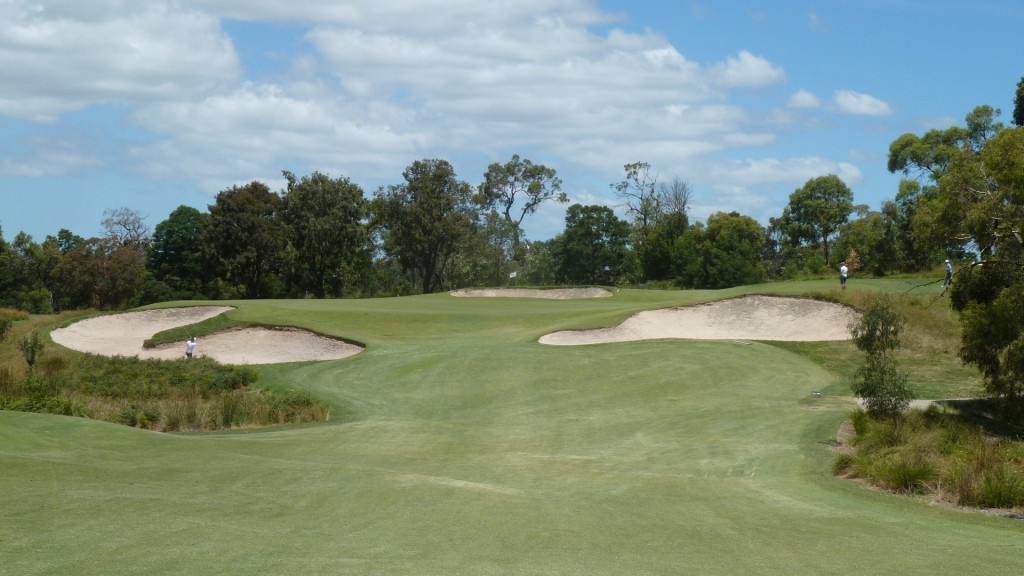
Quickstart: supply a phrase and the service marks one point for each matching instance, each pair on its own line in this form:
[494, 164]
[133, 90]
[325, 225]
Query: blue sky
[151, 105]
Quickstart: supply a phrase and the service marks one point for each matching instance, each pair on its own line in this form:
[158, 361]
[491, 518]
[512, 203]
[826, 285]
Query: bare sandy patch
[746, 318]
[124, 335]
[554, 293]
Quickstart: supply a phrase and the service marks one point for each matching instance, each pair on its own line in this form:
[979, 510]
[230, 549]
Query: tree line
[324, 237]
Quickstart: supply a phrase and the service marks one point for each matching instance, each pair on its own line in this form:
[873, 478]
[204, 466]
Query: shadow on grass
[991, 415]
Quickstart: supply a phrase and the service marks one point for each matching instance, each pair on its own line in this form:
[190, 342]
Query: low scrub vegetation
[939, 453]
[163, 395]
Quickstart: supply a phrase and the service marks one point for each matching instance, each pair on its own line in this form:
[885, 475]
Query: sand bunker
[747, 318]
[124, 334]
[554, 293]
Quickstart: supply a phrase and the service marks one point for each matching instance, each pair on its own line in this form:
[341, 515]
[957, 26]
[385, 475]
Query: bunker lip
[124, 335]
[552, 293]
[746, 318]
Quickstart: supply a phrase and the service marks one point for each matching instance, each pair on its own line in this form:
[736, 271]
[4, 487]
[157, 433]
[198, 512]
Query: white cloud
[851, 102]
[409, 15]
[65, 56]
[747, 71]
[380, 84]
[48, 156]
[804, 99]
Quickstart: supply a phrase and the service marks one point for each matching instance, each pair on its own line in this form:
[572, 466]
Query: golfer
[949, 274]
[190, 347]
[843, 271]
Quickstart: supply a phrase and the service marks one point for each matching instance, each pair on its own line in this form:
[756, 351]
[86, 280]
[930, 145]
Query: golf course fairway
[460, 445]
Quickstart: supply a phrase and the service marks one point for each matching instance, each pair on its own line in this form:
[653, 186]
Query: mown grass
[166, 396]
[472, 449]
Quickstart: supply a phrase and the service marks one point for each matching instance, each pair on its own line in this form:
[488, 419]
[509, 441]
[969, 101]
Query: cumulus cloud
[851, 102]
[63, 56]
[804, 99]
[747, 71]
[377, 85]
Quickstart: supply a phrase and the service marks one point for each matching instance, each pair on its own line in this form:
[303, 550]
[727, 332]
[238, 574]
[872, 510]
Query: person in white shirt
[190, 347]
[843, 272]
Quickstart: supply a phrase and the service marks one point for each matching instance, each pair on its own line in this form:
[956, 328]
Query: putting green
[476, 450]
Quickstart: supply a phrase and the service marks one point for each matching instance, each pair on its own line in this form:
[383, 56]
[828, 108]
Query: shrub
[1003, 487]
[905, 472]
[860, 421]
[843, 464]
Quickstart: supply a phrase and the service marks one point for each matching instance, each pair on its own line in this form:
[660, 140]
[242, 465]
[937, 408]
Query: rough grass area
[938, 454]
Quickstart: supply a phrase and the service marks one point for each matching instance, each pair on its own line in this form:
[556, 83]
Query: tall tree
[424, 221]
[818, 209]
[245, 233]
[176, 255]
[126, 226]
[724, 253]
[324, 217]
[638, 192]
[982, 200]
[594, 248]
[519, 183]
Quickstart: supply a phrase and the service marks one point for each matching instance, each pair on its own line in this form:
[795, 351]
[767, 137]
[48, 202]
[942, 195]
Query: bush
[1003, 487]
[905, 472]
[936, 453]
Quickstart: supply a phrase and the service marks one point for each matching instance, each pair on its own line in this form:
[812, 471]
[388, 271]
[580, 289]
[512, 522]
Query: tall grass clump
[938, 454]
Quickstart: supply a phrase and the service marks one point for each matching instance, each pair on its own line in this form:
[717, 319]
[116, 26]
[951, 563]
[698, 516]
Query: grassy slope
[478, 451]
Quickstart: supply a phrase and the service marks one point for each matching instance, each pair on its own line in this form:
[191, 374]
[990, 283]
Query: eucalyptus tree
[424, 222]
[817, 210]
[325, 224]
[981, 202]
[517, 188]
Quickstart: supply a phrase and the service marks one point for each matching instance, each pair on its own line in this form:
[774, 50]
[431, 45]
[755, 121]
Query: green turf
[475, 450]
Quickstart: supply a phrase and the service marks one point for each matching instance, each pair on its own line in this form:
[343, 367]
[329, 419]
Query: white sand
[747, 318]
[124, 334]
[554, 293]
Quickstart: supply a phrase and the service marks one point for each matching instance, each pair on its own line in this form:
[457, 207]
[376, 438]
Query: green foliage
[993, 331]
[879, 328]
[324, 218]
[1018, 104]
[593, 249]
[721, 254]
[519, 183]
[5, 327]
[245, 234]
[879, 381]
[31, 345]
[816, 211]
[425, 222]
[939, 454]
[177, 257]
